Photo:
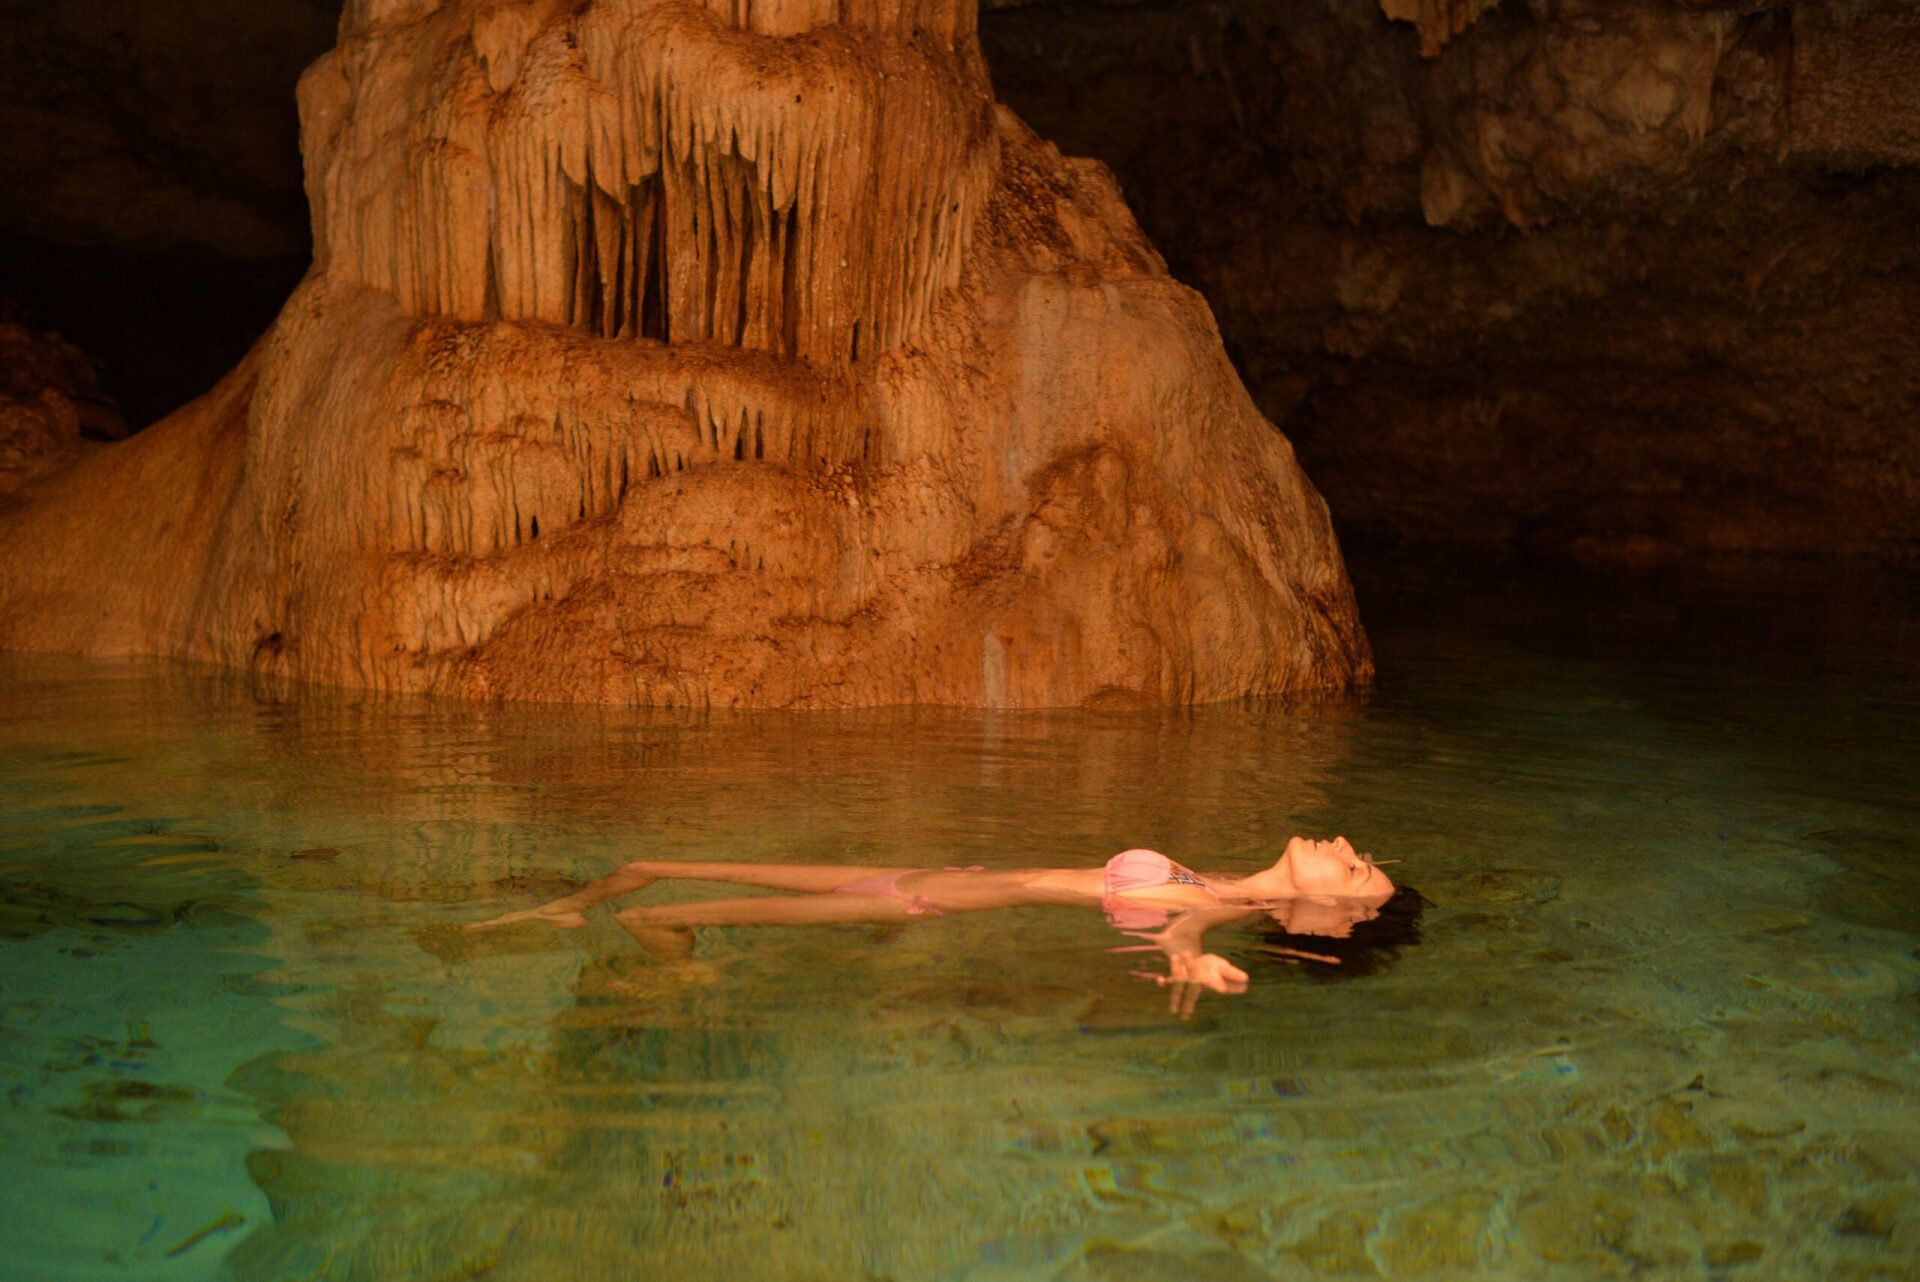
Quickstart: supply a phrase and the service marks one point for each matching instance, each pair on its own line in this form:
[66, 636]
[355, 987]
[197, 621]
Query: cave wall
[150, 165]
[1621, 281]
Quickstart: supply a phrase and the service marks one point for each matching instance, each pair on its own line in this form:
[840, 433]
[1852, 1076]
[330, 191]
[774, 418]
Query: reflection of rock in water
[864, 1140]
[650, 1139]
[477, 782]
[665, 353]
[822, 1085]
[1665, 1081]
[377, 1186]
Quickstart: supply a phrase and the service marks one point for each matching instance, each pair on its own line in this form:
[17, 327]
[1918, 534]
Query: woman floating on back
[1321, 888]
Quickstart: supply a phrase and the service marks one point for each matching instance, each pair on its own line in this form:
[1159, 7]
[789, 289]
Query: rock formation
[738, 353]
[49, 401]
[1438, 21]
[1616, 280]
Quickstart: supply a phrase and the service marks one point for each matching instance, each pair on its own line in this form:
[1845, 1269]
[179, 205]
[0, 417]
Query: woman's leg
[666, 930]
[566, 911]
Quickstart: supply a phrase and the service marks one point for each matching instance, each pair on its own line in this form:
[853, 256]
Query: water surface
[1661, 1023]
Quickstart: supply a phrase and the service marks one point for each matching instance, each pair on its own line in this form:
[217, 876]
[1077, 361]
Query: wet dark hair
[1370, 949]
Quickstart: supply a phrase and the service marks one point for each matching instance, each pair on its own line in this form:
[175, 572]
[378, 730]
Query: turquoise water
[1661, 1022]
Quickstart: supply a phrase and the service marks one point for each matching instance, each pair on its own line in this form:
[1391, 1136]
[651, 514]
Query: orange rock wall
[667, 354]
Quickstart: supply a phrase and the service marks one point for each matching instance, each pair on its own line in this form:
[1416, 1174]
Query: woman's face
[1334, 868]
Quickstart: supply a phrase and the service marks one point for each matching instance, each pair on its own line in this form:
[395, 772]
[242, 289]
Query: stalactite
[481, 456]
[1438, 21]
[806, 191]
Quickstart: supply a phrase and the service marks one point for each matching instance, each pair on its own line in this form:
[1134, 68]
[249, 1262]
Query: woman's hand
[1190, 969]
[1209, 970]
[1192, 972]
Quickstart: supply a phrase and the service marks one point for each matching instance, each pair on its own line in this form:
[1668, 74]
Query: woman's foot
[560, 918]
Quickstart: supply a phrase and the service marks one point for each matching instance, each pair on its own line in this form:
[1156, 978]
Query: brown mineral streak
[739, 354]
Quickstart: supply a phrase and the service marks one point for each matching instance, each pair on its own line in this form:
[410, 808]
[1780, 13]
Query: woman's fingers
[1190, 976]
[1217, 973]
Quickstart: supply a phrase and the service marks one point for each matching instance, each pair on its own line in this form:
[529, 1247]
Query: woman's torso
[1121, 879]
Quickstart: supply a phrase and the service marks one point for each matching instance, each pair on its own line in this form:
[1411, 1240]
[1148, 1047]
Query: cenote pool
[1661, 1021]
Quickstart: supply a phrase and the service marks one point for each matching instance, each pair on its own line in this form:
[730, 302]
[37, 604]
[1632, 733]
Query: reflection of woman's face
[1329, 918]
[1334, 868]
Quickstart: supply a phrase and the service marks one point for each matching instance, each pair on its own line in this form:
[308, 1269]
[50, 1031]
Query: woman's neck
[1268, 883]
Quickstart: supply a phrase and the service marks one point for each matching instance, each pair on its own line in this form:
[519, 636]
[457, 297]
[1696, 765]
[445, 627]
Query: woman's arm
[1190, 967]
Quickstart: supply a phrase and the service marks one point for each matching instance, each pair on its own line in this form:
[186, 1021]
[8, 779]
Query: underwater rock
[1508, 887]
[664, 353]
[1113, 1263]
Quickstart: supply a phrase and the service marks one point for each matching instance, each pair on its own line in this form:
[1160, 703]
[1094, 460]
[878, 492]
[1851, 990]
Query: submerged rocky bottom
[1661, 1020]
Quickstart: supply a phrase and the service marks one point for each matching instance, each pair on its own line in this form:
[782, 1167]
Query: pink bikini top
[1138, 870]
